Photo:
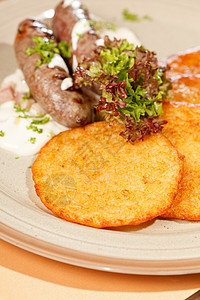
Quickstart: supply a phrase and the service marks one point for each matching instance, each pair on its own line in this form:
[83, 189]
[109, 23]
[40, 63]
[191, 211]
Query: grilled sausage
[68, 107]
[68, 25]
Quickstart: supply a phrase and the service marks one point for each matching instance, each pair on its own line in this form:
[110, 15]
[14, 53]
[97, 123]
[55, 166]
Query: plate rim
[101, 263]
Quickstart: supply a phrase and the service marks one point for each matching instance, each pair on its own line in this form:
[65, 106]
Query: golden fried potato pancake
[184, 73]
[183, 130]
[92, 176]
[186, 89]
[184, 63]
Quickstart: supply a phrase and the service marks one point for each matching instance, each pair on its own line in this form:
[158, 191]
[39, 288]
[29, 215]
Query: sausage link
[64, 21]
[68, 107]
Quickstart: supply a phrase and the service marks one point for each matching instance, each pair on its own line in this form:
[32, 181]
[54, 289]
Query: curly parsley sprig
[47, 48]
[132, 84]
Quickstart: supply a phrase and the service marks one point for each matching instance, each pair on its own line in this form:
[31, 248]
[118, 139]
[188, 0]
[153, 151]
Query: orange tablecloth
[25, 275]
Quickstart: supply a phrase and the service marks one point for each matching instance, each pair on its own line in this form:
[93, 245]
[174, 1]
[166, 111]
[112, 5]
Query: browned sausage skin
[68, 107]
[64, 20]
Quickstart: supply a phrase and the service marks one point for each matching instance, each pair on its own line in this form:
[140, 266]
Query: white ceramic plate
[156, 247]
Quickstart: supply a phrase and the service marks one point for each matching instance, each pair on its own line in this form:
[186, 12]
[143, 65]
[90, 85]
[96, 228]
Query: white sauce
[74, 63]
[99, 42]
[75, 4]
[47, 14]
[66, 84]
[16, 81]
[81, 27]
[67, 3]
[17, 138]
[80, 13]
[58, 61]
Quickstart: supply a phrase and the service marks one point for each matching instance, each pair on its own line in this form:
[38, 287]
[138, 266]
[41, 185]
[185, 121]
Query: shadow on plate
[130, 228]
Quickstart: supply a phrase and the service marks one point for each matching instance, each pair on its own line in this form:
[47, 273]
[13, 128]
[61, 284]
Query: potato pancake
[186, 89]
[184, 63]
[183, 130]
[92, 176]
[184, 74]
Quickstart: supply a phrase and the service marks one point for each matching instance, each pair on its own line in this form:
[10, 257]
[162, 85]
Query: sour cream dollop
[17, 135]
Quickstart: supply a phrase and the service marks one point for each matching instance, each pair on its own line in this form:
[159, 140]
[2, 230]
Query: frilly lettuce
[133, 86]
